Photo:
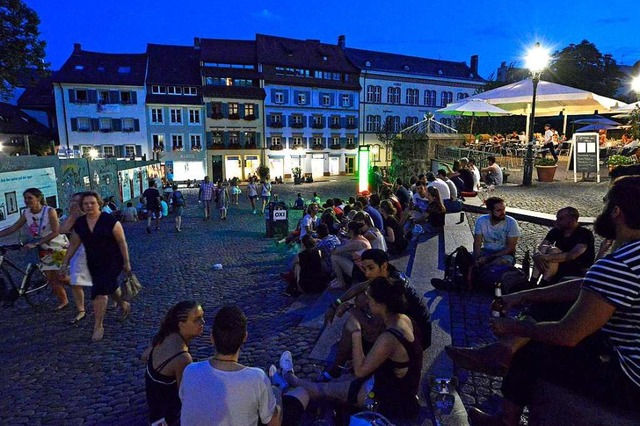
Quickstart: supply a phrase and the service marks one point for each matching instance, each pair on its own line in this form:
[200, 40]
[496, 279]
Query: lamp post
[635, 86]
[536, 61]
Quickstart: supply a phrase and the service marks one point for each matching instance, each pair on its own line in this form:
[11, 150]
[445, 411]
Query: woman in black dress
[107, 255]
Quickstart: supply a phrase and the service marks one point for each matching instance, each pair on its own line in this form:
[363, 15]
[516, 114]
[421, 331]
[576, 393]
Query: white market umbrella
[551, 100]
[473, 108]
[626, 110]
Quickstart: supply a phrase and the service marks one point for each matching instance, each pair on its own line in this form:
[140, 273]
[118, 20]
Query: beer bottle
[497, 306]
[526, 264]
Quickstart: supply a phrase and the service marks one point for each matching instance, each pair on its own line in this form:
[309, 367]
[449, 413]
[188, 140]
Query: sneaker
[286, 363]
[276, 378]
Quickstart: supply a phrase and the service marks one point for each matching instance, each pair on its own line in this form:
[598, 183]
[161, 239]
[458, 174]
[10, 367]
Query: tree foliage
[21, 49]
[584, 67]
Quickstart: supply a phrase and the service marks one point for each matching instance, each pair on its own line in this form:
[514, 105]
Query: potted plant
[546, 169]
[297, 175]
[619, 160]
[263, 172]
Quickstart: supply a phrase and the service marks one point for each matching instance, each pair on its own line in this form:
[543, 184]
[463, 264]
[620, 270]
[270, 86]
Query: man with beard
[495, 236]
[593, 350]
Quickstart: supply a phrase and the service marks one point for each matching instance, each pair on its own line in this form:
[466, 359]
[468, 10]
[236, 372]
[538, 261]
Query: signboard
[586, 155]
[13, 184]
[279, 215]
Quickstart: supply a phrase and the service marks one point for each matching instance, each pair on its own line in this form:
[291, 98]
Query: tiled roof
[228, 51]
[118, 69]
[412, 65]
[15, 122]
[308, 54]
[173, 65]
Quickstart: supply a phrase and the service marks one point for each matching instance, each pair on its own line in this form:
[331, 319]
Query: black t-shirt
[151, 195]
[467, 177]
[579, 266]
[417, 308]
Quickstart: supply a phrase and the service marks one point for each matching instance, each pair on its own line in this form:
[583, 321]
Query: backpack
[178, 199]
[457, 268]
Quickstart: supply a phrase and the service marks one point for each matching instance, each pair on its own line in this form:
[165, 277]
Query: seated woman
[371, 233]
[308, 271]
[344, 256]
[396, 242]
[433, 223]
[394, 362]
[167, 357]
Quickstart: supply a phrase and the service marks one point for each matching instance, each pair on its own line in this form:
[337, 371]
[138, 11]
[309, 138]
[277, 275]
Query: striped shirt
[617, 278]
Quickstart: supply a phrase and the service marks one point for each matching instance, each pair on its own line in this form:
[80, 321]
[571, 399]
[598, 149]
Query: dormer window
[79, 67]
[174, 90]
[440, 72]
[124, 70]
[324, 58]
[406, 67]
[367, 64]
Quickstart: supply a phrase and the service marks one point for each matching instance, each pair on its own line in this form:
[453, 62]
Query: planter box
[338, 146]
[546, 173]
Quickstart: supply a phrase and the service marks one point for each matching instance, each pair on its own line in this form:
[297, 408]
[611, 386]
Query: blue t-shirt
[495, 236]
[375, 216]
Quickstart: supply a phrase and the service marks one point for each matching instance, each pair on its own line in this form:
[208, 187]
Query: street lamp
[536, 61]
[635, 86]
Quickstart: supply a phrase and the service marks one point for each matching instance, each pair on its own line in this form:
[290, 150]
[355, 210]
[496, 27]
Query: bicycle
[34, 286]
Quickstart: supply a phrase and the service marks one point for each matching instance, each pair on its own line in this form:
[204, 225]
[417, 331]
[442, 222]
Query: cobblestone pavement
[53, 374]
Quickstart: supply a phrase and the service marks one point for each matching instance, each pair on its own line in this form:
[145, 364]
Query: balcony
[350, 146]
[250, 117]
[216, 146]
[276, 147]
[276, 124]
[318, 146]
[317, 126]
[296, 146]
[335, 126]
[335, 146]
[297, 125]
[352, 126]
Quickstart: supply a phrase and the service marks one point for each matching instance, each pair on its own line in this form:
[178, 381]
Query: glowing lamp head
[537, 59]
[93, 153]
[635, 84]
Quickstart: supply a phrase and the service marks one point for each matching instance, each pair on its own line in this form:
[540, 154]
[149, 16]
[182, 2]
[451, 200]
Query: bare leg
[78, 296]
[99, 310]
[58, 289]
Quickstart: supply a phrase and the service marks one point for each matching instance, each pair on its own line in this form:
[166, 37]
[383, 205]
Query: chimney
[196, 43]
[474, 64]
[77, 47]
[342, 42]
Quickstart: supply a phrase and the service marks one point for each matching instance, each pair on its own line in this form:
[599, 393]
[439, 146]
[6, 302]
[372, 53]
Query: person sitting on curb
[571, 257]
[592, 350]
[462, 177]
[345, 256]
[494, 239]
[298, 204]
[394, 361]
[493, 172]
[376, 264]
[452, 204]
[309, 222]
[308, 273]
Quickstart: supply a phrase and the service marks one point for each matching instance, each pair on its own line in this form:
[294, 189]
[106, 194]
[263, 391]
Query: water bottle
[370, 403]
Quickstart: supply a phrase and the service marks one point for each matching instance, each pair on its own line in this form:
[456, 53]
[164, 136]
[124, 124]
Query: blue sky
[497, 30]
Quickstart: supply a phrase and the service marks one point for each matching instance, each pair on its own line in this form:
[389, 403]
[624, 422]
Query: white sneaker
[286, 363]
[277, 379]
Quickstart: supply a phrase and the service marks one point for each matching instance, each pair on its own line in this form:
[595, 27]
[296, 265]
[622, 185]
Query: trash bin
[277, 219]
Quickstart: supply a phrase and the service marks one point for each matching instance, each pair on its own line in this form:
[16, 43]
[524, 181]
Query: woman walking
[78, 268]
[265, 193]
[46, 245]
[167, 357]
[107, 254]
[252, 193]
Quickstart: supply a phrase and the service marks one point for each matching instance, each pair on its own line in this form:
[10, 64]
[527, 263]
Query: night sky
[497, 30]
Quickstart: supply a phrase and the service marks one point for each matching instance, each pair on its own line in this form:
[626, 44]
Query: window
[84, 124]
[124, 70]
[216, 81]
[350, 140]
[374, 94]
[104, 96]
[191, 91]
[108, 151]
[335, 120]
[234, 109]
[326, 100]
[276, 120]
[130, 151]
[351, 122]
[316, 122]
[393, 123]
[156, 116]
[430, 98]
[176, 142]
[216, 110]
[176, 115]
[302, 98]
[128, 125]
[194, 116]
[446, 98]
[317, 140]
[410, 121]
[249, 111]
[242, 82]
[249, 139]
[82, 95]
[461, 96]
[158, 90]
[278, 98]
[105, 124]
[196, 142]
[234, 138]
[393, 95]
[297, 141]
[85, 150]
[373, 123]
[412, 96]
[126, 98]
[346, 101]
[335, 140]
[158, 143]
[174, 90]
[296, 120]
[275, 140]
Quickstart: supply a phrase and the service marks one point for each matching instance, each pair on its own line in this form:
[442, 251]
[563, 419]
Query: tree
[387, 134]
[584, 67]
[21, 49]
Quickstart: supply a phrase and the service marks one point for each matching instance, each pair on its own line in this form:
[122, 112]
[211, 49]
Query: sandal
[125, 312]
[81, 315]
[97, 335]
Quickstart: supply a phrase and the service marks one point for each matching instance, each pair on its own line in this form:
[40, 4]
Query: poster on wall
[125, 184]
[13, 184]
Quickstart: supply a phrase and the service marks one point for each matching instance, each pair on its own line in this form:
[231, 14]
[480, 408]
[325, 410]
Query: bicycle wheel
[37, 289]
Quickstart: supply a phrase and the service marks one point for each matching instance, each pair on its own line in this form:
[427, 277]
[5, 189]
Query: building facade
[100, 104]
[399, 90]
[311, 107]
[175, 111]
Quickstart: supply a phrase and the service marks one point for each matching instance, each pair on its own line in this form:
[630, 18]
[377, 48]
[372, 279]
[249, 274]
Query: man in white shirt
[548, 141]
[440, 185]
[309, 222]
[220, 390]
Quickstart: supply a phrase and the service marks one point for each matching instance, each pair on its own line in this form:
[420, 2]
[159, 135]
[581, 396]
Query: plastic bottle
[370, 403]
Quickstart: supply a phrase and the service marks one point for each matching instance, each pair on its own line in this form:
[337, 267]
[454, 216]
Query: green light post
[363, 168]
